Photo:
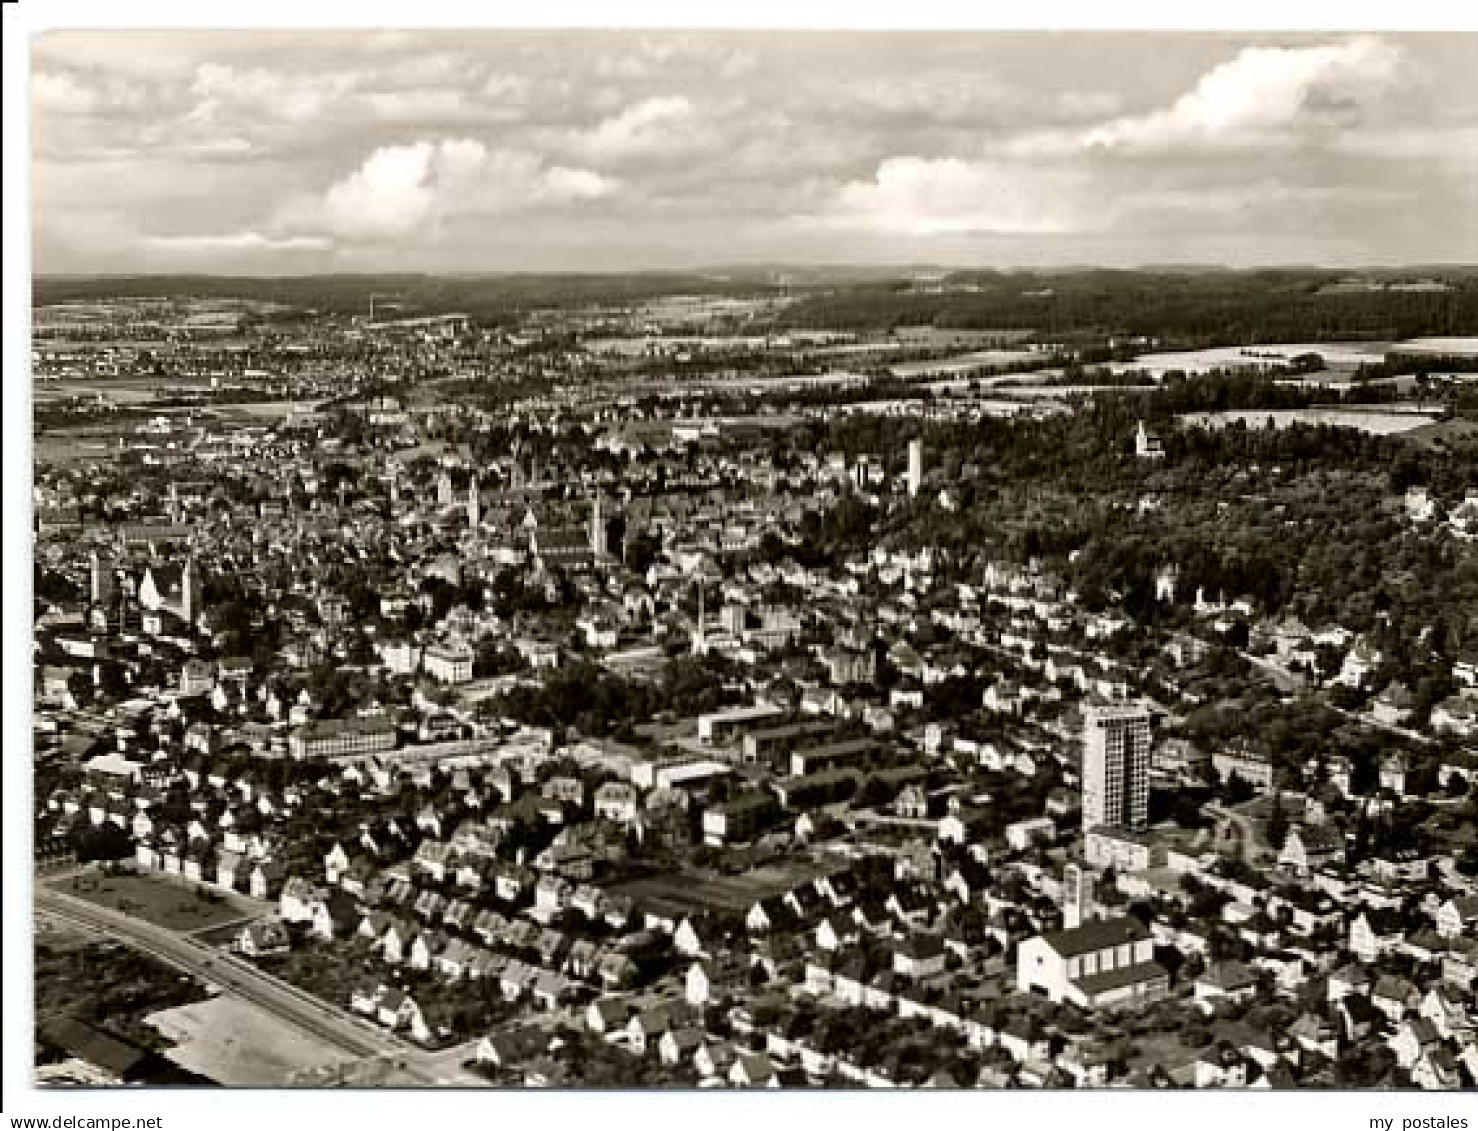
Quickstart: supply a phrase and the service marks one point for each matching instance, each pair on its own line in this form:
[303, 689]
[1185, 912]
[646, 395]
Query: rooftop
[1100, 934]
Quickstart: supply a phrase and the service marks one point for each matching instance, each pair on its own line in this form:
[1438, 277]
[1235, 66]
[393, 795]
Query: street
[317, 1018]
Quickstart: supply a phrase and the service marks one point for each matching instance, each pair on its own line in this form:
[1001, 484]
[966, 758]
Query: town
[677, 690]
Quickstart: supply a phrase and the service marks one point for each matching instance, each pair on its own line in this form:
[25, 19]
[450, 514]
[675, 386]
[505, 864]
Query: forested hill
[1203, 306]
[481, 296]
[1193, 305]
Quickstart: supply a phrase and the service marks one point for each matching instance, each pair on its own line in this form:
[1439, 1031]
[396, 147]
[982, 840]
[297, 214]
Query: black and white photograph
[697, 559]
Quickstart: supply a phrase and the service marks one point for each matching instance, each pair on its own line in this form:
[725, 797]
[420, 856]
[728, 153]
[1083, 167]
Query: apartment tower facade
[1116, 766]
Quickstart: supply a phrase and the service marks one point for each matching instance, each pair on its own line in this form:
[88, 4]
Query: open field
[641, 346]
[1029, 385]
[239, 1045]
[835, 378]
[133, 392]
[76, 445]
[1382, 423]
[166, 903]
[1039, 406]
[962, 363]
[119, 390]
[933, 336]
[1338, 355]
[686, 892]
[258, 411]
[1463, 346]
[1445, 433]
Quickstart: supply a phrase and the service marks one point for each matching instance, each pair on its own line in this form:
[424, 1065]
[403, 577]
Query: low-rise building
[1105, 962]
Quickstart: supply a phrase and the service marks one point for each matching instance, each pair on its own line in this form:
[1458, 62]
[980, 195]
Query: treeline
[1225, 390]
[1210, 308]
[1417, 365]
[596, 702]
[488, 298]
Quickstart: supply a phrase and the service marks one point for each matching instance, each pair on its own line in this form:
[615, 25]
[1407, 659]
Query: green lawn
[166, 903]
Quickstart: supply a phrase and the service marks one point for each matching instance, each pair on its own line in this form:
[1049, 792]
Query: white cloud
[650, 126]
[564, 184]
[500, 87]
[274, 94]
[66, 92]
[248, 241]
[61, 92]
[935, 196]
[401, 190]
[392, 194]
[419, 104]
[1263, 91]
[424, 148]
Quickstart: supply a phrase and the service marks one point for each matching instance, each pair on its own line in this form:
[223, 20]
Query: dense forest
[1210, 307]
[1304, 520]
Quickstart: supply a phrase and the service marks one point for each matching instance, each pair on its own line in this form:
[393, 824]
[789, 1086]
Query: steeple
[99, 580]
[598, 544]
[700, 637]
[190, 592]
[1077, 901]
[474, 505]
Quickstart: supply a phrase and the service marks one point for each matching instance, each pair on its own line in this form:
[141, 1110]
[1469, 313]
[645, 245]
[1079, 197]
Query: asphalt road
[287, 1003]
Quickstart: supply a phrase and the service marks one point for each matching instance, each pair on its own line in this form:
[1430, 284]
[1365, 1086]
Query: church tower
[598, 536]
[102, 580]
[474, 505]
[700, 635]
[1077, 897]
[190, 592]
[915, 468]
[104, 592]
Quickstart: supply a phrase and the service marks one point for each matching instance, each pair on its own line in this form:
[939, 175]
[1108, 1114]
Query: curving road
[289, 1004]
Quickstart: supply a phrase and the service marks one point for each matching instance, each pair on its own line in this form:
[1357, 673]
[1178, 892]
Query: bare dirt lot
[236, 1044]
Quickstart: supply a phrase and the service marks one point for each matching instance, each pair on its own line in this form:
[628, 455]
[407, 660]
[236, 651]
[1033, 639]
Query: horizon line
[766, 266]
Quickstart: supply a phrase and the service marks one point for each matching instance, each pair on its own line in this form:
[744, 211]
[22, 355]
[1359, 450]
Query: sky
[263, 152]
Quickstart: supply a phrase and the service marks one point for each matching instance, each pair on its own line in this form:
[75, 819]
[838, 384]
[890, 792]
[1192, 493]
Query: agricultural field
[1466, 347]
[76, 445]
[124, 391]
[1374, 423]
[1336, 355]
[938, 337]
[962, 363]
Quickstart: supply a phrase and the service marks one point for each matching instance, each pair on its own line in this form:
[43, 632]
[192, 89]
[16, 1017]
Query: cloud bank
[512, 150]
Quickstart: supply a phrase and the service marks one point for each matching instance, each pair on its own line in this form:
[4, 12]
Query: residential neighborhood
[752, 677]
